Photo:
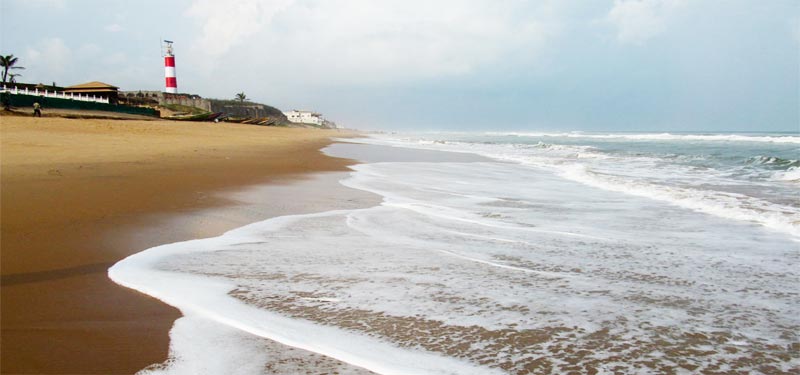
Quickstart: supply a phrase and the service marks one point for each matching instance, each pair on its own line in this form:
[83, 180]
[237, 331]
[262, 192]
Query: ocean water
[551, 253]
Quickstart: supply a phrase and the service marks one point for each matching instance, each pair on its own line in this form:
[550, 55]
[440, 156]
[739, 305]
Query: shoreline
[346, 270]
[69, 212]
[309, 195]
[267, 330]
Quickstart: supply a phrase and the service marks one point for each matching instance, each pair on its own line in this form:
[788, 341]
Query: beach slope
[79, 195]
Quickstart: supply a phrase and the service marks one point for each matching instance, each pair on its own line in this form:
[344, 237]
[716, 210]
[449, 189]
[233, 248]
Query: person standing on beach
[37, 109]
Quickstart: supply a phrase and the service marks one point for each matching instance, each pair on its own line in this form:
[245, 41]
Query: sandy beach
[79, 195]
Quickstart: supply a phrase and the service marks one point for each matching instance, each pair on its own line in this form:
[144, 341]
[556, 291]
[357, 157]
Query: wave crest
[773, 162]
[663, 137]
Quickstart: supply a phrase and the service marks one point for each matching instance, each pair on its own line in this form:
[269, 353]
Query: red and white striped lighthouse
[169, 69]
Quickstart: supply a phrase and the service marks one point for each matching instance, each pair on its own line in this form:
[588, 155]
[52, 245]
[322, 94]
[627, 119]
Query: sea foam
[209, 298]
[662, 136]
[687, 178]
[490, 267]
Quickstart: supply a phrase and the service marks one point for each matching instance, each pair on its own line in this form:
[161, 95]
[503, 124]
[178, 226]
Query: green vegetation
[241, 97]
[8, 62]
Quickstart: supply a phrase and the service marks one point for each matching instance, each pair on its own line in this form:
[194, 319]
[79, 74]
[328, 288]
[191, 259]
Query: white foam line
[391, 201]
[664, 137]
[695, 200]
[773, 222]
[411, 206]
[207, 297]
[485, 237]
[505, 266]
[514, 268]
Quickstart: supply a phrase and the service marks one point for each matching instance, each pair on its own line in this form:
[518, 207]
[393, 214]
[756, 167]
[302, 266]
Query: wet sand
[78, 195]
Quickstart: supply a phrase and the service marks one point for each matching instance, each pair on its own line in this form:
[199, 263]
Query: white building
[305, 117]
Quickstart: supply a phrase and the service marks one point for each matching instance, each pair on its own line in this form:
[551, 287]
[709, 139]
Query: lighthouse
[169, 69]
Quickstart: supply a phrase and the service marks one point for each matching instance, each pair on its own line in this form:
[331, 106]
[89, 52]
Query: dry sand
[78, 195]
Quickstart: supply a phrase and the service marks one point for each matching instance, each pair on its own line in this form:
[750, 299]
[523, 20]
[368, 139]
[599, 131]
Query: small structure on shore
[91, 96]
[169, 69]
[96, 89]
[305, 117]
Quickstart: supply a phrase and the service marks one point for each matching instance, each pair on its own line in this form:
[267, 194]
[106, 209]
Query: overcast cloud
[457, 65]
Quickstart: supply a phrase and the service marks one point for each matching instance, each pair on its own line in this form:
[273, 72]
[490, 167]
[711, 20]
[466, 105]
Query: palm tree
[8, 62]
[241, 97]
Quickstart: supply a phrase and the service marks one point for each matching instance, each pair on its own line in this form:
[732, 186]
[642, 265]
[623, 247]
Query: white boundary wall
[55, 94]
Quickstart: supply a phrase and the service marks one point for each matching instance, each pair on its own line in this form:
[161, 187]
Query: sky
[459, 65]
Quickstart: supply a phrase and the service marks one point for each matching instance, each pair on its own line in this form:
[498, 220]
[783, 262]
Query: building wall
[231, 108]
[187, 101]
[28, 100]
[164, 98]
[245, 110]
[111, 95]
[304, 117]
